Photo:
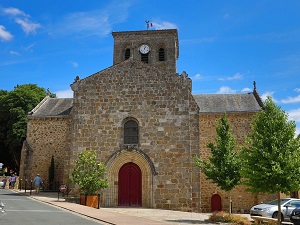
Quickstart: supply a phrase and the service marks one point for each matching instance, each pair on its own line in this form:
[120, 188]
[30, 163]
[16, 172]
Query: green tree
[223, 167]
[271, 156]
[14, 107]
[89, 174]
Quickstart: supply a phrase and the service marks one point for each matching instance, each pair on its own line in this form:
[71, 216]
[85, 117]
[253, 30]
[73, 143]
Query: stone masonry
[174, 126]
[148, 95]
[46, 137]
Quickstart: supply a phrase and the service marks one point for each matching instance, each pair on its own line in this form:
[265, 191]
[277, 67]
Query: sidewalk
[123, 216]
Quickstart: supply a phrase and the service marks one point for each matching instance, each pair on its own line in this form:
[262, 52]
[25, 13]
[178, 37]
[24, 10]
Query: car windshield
[275, 202]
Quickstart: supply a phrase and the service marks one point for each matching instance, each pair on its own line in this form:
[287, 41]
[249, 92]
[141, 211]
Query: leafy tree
[223, 166]
[14, 107]
[89, 174]
[271, 157]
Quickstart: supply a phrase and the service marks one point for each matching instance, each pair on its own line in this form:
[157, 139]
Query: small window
[145, 58]
[161, 54]
[127, 53]
[131, 132]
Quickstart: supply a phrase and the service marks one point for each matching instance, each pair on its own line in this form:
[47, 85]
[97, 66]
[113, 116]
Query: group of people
[38, 181]
[12, 181]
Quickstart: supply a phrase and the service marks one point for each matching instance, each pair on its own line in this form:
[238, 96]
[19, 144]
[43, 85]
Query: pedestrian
[4, 180]
[37, 183]
[12, 181]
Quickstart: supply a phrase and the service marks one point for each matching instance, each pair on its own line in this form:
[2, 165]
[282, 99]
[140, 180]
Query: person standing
[12, 181]
[37, 183]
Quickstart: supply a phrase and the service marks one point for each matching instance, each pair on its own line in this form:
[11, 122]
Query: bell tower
[155, 47]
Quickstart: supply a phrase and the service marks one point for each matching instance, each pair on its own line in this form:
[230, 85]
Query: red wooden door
[130, 185]
[216, 203]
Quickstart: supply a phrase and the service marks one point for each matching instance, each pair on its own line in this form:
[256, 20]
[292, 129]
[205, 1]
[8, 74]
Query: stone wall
[46, 137]
[161, 102]
[155, 39]
[242, 200]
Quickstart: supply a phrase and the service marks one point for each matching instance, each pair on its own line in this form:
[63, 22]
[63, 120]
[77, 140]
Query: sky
[223, 45]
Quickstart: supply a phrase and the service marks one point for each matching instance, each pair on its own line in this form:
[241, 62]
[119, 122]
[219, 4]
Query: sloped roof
[220, 103]
[53, 107]
[208, 103]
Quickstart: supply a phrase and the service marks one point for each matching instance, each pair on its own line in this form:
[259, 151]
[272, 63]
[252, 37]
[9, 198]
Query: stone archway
[114, 164]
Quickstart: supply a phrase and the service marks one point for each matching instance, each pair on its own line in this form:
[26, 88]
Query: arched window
[131, 133]
[127, 53]
[161, 54]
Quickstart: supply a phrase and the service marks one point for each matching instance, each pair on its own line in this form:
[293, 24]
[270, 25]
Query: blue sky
[224, 45]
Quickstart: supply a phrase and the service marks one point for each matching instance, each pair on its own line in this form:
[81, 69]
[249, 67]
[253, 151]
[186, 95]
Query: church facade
[146, 125]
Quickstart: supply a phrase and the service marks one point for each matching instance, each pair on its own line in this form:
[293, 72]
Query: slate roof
[220, 103]
[53, 107]
[208, 103]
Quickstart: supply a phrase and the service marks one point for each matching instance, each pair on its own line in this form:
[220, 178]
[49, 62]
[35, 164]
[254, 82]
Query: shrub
[224, 217]
[89, 174]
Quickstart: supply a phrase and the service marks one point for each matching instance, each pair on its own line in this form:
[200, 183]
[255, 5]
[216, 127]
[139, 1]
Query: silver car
[270, 209]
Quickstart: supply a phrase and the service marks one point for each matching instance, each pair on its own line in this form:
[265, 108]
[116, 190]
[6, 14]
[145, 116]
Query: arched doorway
[216, 203]
[130, 185]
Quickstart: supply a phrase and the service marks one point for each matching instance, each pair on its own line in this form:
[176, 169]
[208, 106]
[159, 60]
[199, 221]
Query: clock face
[144, 49]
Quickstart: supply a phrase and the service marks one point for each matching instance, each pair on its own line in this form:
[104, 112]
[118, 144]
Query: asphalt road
[21, 210]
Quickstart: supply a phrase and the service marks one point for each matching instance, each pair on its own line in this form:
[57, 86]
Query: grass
[223, 217]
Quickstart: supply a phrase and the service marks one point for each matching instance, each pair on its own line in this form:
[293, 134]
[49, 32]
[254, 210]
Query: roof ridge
[39, 105]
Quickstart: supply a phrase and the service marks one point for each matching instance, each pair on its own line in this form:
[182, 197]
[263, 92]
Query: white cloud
[5, 35]
[268, 93]
[246, 90]
[74, 64]
[13, 11]
[164, 25]
[28, 26]
[22, 19]
[291, 100]
[297, 131]
[84, 23]
[297, 89]
[198, 76]
[226, 90]
[294, 115]
[14, 52]
[91, 23]
[237, 76]
[64, 94]
[29, 48]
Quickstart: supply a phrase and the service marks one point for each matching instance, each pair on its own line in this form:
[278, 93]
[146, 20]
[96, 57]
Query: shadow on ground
[188, 221]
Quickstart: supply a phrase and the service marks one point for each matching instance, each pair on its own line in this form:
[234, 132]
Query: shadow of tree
[188, 221]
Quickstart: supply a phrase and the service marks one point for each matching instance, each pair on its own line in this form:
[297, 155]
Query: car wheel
[275, 215]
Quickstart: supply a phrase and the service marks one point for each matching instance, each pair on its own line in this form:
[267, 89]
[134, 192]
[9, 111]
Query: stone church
[146, 125]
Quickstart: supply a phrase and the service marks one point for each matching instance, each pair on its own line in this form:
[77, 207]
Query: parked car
[270, 209]
[295, 216]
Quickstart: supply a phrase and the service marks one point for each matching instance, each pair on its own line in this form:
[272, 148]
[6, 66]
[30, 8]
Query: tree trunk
[230, 203]
[279, 209]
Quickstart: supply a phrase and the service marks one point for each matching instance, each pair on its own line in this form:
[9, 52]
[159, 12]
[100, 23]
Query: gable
[126, 74]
